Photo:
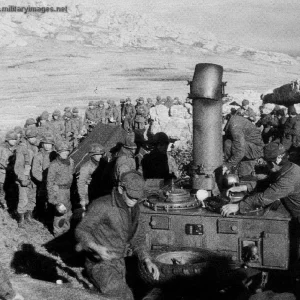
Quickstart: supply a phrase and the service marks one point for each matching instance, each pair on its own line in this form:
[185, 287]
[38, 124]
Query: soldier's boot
[21, 220]
[29, 218]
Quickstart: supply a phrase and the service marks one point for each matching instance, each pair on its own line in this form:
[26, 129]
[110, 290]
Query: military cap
[96, 149]
[161, 138]
[11, 135]
[91, 103]
[133, 183]
[30, 121]
[56, 113]
[68, 115]
[67, 109]
[44, 115]
[48, 139]
[62, 146]
[18, 129]
[245, 102]
[75, 110]
[31, 132]
[122, 101]
[292, 110]
[272, 150]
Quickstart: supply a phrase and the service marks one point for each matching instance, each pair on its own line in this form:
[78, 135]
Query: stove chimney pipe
[206, 92]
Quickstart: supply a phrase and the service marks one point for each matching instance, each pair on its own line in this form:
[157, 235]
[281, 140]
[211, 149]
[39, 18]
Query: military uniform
[7, 159]
[58, 126]
[40, 166]
[141, 116]
[59, 180]
[247, 113]
[291, 132]
[128, 115]
[90, 116]
[109, 222]
[243, 146]
[100, 113]
[112, 114]
[86, 175]
[77, 121]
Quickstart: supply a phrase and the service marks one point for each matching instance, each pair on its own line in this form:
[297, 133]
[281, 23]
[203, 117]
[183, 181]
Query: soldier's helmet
[30, 121]
[31, 133]
[44, 115]
[56, 113]
[100, 103]
[158, 98]
[128, 99]
[11, 135]
[133, 183]
[18, 130]
[160, 138]
[141, 100]
[96, 148]
[48, 139]
[62, 146]
[68, 115]
[163, 100]
[149, 100]
[245, 102]
[67, 109]
[122, 101]
[75, 110]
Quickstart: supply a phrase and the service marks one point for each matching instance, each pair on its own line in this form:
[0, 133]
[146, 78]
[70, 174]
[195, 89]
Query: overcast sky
[261, 24]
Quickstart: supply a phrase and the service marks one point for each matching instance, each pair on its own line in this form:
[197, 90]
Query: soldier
[86, 173]
[243, 146]
[282, 186]
[59, 180]
[7, 158]
[26, 150]
[126, 159]
[44, 125]
[40, 165]
[90, 118]
[141, 117]
[30, 123]
[58, 126]
[70, 130]
[77, 123]
[169, 102]
[121, 108]
[246, 111]
[158, 163]
[100, 115]
[149, 103]
[109, 226]
[67, 109]
[128, 115]
[291, 129]
[112, 114]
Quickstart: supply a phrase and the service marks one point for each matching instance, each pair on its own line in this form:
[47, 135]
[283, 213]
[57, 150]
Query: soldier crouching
[59, 180]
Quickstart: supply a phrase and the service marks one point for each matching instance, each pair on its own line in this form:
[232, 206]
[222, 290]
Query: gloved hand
[61, 209]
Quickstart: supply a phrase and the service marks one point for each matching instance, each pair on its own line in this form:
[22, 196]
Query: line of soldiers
[127, 114]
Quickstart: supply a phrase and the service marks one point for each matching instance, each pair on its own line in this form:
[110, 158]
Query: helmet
[30, 121]
[158, 98]
[133, 183]
[62, 146]
[67, 109]
[245, 102]
[160, 138]
[44, 115]
[18, 129]
[11, 135]
[149, 100]
[96, 149]
[122, 100]
[56, 113]
[75, 110]
[48, 140]
[31, 132]
[128, 99]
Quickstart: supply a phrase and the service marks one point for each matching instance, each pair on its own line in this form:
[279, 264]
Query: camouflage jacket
[24, 156]
[40, 164]
[60, 175]
[128, 111]
[7, 157]
[84, 179]
[58, 127]
[43, 129]
[77, 125]
[90, 115]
